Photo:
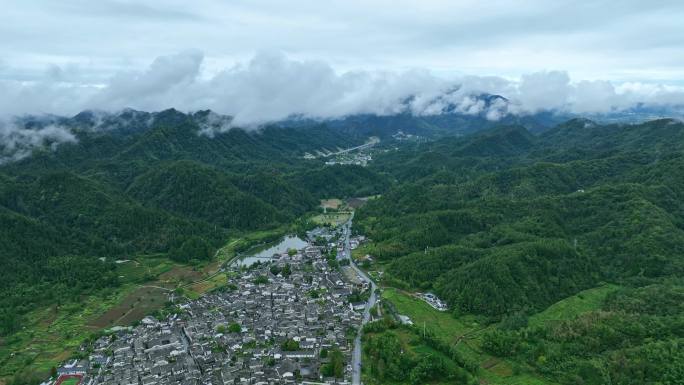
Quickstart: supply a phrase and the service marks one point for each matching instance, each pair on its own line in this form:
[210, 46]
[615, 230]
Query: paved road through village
[356, 355]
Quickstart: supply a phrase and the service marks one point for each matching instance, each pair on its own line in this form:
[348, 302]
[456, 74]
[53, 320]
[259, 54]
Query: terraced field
[463, 332]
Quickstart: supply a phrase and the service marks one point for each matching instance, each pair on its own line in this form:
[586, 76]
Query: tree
[287, 270]
[235, 328]
[260, 280]
[193, 248]
[500, 343]
[335, 365]
[290, 345]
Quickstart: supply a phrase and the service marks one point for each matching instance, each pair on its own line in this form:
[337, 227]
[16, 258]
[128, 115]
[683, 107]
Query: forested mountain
[137, 183]
[448, 121]
[503, 224]
[618, 205]
[201, 192]
[500, 219]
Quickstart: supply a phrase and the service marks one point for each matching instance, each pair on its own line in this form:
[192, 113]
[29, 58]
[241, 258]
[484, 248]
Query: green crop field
[53, 333]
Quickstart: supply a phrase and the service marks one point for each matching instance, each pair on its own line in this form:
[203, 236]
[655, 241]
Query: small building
[405, 320]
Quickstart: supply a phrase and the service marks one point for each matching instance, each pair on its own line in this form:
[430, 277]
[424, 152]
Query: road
[369, 144]
[356, 354]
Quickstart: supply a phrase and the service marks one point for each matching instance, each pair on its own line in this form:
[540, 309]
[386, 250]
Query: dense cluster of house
[360, 158]
[275, 323]
[401, 136]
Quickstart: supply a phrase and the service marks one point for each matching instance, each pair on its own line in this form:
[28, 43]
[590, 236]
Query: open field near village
[333, 219]
[332, 203]
[463, 332]
[54, 333]
[466, 332]
[140, 302]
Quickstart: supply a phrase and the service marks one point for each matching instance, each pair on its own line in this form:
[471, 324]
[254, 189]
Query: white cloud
[595, 96]
[17, 142]
[273, 86]
[544, 91]
[591, 39]
[166, 76]
[342, 56]
[215, 124]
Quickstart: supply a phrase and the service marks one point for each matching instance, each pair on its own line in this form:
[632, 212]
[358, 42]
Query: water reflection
[265, 253]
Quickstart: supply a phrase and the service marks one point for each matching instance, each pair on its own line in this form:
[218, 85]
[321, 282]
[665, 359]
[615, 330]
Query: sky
[262, 60]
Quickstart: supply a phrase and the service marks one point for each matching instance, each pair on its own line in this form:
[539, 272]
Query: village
[289, 320]
[358, 155]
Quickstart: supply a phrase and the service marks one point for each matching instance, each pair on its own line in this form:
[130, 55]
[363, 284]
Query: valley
[496, 257]
[341, 193]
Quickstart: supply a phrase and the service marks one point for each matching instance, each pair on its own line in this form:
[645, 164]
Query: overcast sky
[328, 58]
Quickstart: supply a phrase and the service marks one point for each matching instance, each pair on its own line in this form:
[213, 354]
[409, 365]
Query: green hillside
[559, 253]
[140, 183]
[508, 226]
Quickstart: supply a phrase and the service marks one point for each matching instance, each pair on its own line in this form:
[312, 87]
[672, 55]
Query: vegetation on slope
[138, 183]
[504, 224]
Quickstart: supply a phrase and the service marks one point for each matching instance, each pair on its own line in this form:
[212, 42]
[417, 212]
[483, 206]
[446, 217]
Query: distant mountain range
[447, 114]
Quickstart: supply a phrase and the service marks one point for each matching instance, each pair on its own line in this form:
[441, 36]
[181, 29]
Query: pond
[264, 253]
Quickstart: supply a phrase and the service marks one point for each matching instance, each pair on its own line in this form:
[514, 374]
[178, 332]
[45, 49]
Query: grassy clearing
[333, 203]
[442, 323]
[355, 203]
[180, 275]
[465, 332]
[143, 268]
[207, 285]
[571, 307]
[333, 219]
[134, 306]
[52, 333]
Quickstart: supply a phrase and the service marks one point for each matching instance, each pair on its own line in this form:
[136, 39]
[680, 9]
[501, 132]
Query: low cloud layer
[17, 142]
[272, 86]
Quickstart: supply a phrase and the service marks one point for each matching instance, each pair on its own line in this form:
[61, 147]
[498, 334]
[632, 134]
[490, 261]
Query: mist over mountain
[502, 218]
[450, 113]
[343, 192]
[274, 90]
[271, 87]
